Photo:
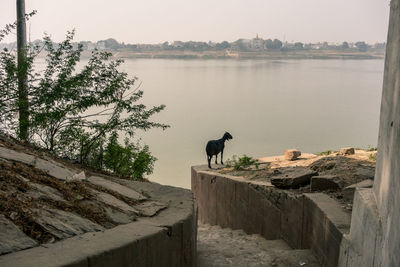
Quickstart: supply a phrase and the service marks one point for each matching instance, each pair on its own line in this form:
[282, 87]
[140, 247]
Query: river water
[267, 105]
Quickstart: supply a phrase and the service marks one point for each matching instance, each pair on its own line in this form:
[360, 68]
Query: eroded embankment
[55, 214]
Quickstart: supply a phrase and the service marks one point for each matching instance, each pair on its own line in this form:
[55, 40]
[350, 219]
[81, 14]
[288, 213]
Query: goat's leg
[222, 156]
[216, 158]
[209, 161]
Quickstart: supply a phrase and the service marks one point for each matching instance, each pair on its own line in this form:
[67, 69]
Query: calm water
[268, 106]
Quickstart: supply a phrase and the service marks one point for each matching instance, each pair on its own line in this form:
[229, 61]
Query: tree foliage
[77, 110]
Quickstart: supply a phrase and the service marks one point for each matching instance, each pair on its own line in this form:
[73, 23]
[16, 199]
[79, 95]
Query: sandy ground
[227, 247]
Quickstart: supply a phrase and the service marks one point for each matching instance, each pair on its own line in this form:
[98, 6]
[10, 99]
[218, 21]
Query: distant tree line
[256, 44]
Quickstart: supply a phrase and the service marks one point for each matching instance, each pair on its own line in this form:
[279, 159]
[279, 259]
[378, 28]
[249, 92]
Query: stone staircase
[227, 247]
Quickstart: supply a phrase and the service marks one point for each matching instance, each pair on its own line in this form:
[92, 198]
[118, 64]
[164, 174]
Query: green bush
[325, 153]
[131, 160]
[242, 162]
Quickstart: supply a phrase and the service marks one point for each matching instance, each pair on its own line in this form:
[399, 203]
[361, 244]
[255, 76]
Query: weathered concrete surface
[168, 239]
[304, 221]
[226, 247]
[365, 233]
[348, 192]
[374, 239]
[324, 225]
[13, 239]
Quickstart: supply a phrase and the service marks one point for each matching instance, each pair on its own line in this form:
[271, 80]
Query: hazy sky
[154, 21]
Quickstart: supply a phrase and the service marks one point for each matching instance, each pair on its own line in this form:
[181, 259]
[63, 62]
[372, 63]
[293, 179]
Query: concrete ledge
[365, 233]
[304, 221]
[168, 239]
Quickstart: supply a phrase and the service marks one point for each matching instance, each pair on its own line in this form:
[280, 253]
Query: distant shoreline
[310, 54]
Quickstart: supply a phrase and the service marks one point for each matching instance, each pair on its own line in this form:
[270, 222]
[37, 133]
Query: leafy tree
[74, 111]
[298, 45]
[222, 46]
[362, 46]
[345, 45]
[111, 43]
[275, 44]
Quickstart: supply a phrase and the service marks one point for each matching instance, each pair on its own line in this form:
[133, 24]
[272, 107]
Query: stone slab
[123, 190]
[114, 202]
[118, 217]
[44, 191]
[49, 166]
[150, 208]
[13, 155]
[12, 238]
[54, 169]
[63, 224]
[292, 177]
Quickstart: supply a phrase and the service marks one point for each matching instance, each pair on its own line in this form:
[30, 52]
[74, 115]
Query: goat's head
[227, 136]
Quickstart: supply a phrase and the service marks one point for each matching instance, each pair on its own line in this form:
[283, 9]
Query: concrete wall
[304, 221]
[374, 238]
[387, 177]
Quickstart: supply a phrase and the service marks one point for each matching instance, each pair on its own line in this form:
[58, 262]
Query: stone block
[326, 182]
[347, 151]
[292, 177]
[292, 154]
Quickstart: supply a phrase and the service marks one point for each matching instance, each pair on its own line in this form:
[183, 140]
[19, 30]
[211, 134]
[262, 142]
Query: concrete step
[227, 247]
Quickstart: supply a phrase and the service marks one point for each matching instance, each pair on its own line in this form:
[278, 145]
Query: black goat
[215, 146]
